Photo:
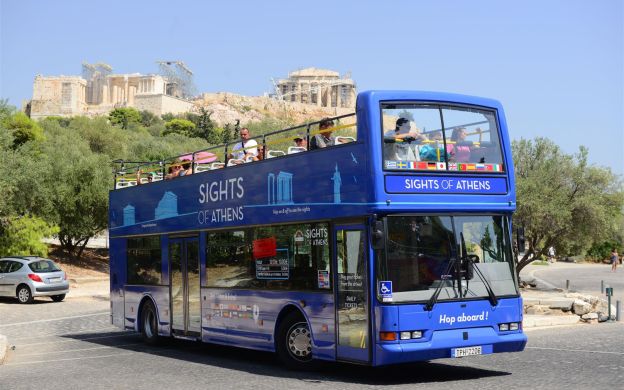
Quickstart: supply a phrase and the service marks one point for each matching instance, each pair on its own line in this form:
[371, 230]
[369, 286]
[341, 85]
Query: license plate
[468, 351]
[54, 279]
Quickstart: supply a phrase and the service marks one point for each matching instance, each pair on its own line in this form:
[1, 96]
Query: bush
[22, 236]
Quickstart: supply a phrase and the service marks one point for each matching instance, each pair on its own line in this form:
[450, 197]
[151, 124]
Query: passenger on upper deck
[403, 130]
[399, 141]
[246, 148]
[139, 173]
[173, 171]
[434, 149]
[458, 153]
[186, 168]
[325, 138]
[260, 155]
[300, 141]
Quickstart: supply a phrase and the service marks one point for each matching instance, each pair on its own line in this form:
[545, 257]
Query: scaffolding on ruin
[179, 78]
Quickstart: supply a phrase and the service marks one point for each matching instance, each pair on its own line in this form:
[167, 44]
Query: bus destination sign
[445, 185]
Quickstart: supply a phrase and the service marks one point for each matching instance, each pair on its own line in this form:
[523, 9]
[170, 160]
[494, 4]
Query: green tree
[179, 126]
[67, 186]
[22, 128]
[22, 236]
[562, 202]
[124, 117]
[6, 109]
[148, 118]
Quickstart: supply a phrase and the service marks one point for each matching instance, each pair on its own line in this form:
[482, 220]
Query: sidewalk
[546, 295]
[98, 287]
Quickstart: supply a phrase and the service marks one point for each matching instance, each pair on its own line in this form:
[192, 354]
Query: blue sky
[557, 66]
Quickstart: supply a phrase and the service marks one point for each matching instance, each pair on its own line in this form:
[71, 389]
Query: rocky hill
[228, 107]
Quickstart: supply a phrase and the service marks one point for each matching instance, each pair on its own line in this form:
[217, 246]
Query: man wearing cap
[300, 142]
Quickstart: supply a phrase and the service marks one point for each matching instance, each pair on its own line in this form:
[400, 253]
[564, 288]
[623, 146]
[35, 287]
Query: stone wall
[59, 95]
[162, 104]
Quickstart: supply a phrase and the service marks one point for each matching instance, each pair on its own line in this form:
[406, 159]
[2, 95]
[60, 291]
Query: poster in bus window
[323, 279]
[274, 267]
[351, 291]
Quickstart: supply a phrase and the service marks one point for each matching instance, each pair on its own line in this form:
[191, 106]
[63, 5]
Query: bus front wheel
[294, 343]
[149, 323]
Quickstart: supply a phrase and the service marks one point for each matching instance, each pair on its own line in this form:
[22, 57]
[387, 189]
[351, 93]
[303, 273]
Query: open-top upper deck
[372, 168]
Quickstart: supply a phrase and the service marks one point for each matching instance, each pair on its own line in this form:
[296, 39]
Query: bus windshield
[420, 248]
[443, 138]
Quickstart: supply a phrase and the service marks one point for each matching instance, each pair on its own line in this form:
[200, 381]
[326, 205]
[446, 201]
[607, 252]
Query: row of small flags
[441, 166]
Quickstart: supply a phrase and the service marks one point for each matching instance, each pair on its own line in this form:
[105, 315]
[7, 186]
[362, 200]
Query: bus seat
[202, 167]
[275, 153]
[234, 161]
[296, 149]
[344, 140]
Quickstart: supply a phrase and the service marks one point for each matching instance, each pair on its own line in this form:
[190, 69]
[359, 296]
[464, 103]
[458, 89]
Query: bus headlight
[417, 334]
[406, 335]
[509, 326]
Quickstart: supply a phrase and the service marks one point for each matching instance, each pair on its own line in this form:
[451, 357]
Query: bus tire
[149, 323]
[294, 343]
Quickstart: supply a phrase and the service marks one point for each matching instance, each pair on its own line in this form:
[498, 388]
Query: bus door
[185, 286]
[352, 311]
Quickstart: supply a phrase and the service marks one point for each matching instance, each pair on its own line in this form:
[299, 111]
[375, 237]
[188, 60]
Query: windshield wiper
[434, 298]
[471, 263]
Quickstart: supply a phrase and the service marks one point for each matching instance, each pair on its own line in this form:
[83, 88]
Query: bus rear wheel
[294, 343]
[149, 324]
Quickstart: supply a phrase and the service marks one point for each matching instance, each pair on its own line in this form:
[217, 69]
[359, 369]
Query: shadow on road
[36, 301]
[266, 364]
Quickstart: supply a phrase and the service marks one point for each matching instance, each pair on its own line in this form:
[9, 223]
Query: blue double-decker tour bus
[385, 238]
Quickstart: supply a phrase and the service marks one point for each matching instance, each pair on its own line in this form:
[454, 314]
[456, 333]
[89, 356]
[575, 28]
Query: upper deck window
[431, 137]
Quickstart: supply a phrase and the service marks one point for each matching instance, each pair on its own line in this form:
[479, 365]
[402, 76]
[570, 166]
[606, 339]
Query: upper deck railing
[275, 144]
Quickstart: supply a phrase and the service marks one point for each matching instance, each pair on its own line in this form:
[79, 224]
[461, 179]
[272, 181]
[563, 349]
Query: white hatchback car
[26, 277]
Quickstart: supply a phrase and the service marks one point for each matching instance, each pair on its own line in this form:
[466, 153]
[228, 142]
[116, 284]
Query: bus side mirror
[377, 234]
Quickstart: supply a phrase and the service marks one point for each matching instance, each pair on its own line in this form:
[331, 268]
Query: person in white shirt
[245, 148]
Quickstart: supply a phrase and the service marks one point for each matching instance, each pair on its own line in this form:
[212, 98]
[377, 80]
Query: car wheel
[24, 295]
[149, 324]
[294, 343]
[58, 298]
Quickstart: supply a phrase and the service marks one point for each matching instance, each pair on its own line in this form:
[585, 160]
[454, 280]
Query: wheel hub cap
[299, 342]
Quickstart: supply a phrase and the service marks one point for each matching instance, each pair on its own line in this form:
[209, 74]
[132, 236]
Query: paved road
[71, 345]
[584, 278]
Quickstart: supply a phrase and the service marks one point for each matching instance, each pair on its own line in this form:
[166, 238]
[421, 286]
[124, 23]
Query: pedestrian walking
[614, 259]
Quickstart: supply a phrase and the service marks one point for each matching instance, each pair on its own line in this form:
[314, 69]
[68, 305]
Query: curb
[3, 348]
[542, 321]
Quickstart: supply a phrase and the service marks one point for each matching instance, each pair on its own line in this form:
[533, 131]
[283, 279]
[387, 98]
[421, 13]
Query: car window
[4, 266]
[14, 266]
[43, 266]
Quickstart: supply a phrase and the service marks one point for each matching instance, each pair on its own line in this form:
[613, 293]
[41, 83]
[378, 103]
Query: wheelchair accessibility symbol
[385, 289]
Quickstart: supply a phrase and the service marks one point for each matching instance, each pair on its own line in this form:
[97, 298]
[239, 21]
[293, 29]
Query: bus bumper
[442, 343]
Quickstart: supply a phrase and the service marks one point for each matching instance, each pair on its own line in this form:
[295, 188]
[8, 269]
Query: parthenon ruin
[320, 87]
[98, 92]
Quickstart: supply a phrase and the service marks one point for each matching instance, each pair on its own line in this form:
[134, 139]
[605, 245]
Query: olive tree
[561, 200]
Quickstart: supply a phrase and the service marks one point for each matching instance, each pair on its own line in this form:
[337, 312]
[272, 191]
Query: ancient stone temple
[320, 87]
[98, 91]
